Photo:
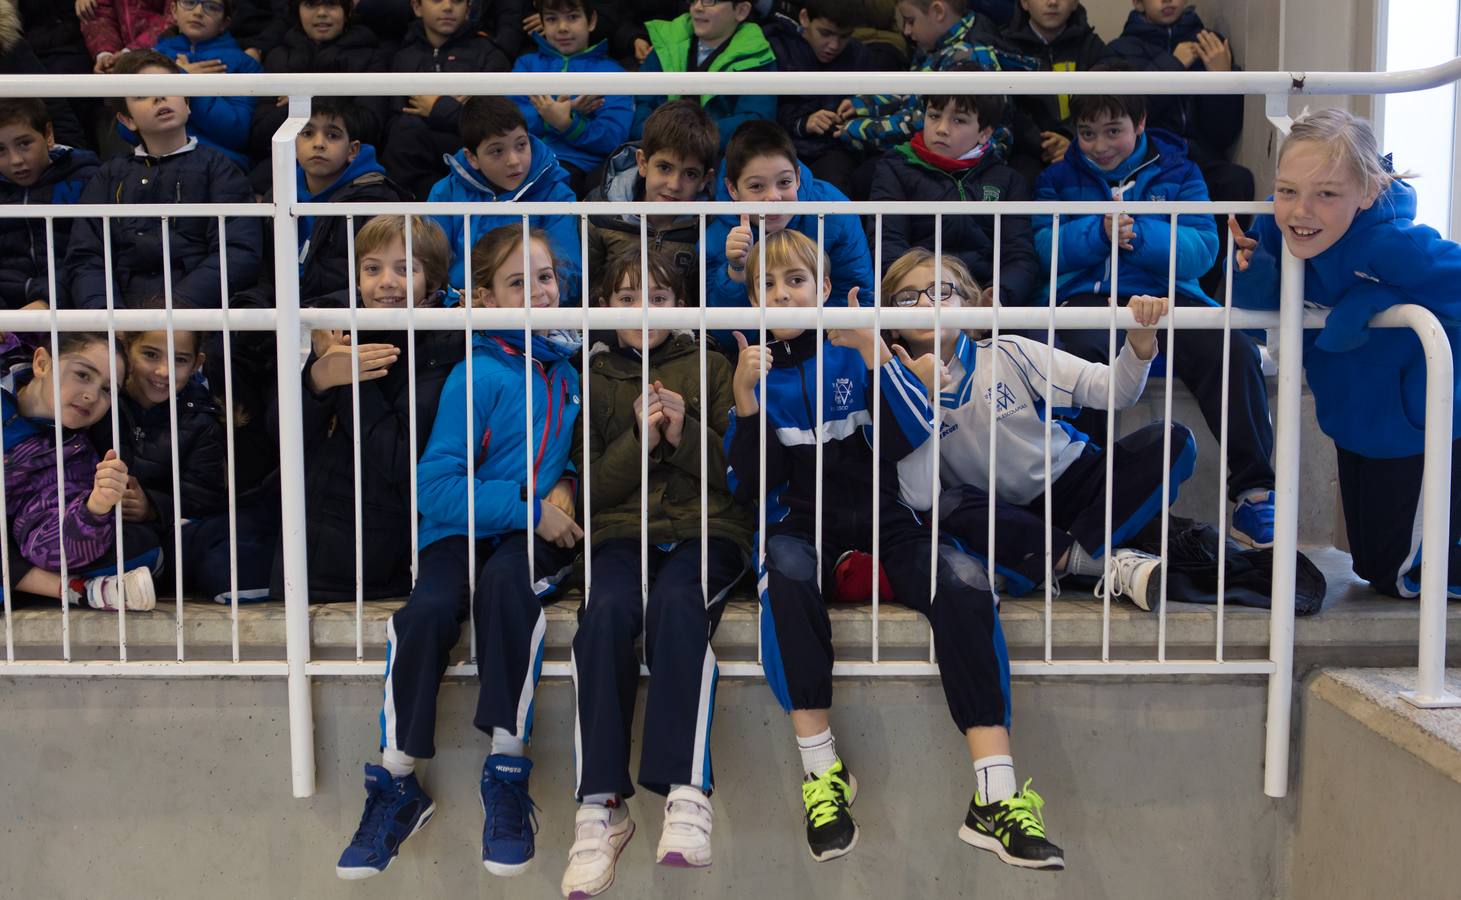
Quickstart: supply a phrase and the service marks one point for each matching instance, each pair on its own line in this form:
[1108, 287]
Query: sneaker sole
[1247, 541]
[676, 860]
[829, 855]
[613, 869]
[1150, 590]
[359, 873]
[986, 842]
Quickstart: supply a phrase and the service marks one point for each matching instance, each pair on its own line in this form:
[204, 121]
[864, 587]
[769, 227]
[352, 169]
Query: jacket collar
[141, 150]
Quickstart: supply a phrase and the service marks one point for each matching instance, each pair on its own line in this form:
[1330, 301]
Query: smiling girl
[1339, 207]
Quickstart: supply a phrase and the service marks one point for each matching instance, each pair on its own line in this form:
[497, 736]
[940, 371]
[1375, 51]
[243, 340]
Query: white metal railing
[287, 319]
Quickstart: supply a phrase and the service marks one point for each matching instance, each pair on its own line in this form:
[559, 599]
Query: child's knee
[790, 557]
[962, 573]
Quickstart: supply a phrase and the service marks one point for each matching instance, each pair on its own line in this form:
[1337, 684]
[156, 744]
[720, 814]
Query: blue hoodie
[498, 410]
[363, 164]
[589, 139]
[1369, 386]
[845, 243]
[546, 182]
[1158, 169]
[223, 122]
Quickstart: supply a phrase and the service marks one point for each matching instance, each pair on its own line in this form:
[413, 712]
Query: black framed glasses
[211, 7]
[911, 296]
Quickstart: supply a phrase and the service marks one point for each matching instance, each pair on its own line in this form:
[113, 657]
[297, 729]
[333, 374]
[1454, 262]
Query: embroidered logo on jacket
[842, 393]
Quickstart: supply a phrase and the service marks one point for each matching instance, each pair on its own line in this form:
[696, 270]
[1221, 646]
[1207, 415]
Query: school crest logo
[991, 193]
[842, 393]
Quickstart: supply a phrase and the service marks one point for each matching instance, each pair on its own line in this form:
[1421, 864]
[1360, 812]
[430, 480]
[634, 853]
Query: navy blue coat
[794, 54]
[23, 275]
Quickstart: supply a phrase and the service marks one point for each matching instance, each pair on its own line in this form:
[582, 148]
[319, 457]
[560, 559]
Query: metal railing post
[291, 450]
[1285, 524]
[1430, 684]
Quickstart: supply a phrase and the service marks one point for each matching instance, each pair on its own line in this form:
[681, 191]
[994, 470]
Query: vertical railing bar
[937, 398]
[532, 481]
[704, 434]
[1049, 366]
[5, 582]
[1222, 517]
[818, 419]
[877, 436]
[468, 304]
[994, 380]
[1167, 436]
[644, 416]
[228, 449]
[588, 565]
[355, 439]
[411, 421]
[761, 412]
[172, 424]
[1106, 564]
[116, 428]
[60, 448]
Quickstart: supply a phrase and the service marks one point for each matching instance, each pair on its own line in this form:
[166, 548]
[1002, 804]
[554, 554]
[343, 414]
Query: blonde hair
[493, 248]
[1350, 142]
[428, 244]
[953, 270]
[783, 249]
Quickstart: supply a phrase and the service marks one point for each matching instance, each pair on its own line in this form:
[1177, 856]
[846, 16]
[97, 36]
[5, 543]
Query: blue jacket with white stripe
[846, 436]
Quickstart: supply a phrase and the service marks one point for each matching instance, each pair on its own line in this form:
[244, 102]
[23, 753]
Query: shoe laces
[377, 807]
[823, 798]
[1024, 811]
[1123, 567]
[508, 805]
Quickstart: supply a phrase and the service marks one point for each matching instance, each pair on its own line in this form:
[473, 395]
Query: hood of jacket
[467, 183]
[1164, 153]
[745, 49]
[1019, 32]
[66, 163]
[1140, 28]
[609, 360]
[555, 346]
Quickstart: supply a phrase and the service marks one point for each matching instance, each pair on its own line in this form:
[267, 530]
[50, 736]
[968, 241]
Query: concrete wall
[160, 789]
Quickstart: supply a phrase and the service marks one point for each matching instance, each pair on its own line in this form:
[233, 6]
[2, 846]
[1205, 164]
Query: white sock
[505, 743]
[397, 763]
[819, 753]
[1256, 495]
[615, 804]
[1079, 562]
[995, 776]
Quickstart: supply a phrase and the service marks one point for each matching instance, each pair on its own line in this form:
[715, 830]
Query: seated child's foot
[830, 830]
[597, 842]
[395, 809]
[1013, 830]
[1253, 521]
[509, 821]
[106, 591]
[1134, 575]
[685, 840]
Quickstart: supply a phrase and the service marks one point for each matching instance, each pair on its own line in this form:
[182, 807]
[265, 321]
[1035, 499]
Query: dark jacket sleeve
[743, 467]
[85, 274]
[897, 229]
[200, 286]
[1020, 271]
[202, 474]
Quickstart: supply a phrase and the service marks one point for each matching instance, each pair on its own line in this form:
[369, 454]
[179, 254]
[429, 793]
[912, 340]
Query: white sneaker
[596, 847]
[1134, 575]
[685, 841]
[107, 591]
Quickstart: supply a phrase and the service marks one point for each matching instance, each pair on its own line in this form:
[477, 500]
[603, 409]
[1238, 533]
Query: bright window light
[1419, 128]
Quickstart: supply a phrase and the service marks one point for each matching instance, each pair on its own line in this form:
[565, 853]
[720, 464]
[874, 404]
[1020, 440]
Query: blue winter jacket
[845, 243]
[500, 438]
[589, 139]
[24, 268]
[1157, 170]
[1369, 385]
[221, 122]
[546, 182]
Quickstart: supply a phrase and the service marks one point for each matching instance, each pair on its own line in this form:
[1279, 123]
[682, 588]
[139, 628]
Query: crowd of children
[106, 536]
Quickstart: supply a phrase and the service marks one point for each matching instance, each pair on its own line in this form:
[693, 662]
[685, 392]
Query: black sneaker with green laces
[830, 830]
[1013, 830]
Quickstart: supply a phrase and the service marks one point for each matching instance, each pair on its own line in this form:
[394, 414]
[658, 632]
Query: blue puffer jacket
[546, 182]
[23, 262]
[1369, 386]
[845, 243]
[498, 400]
[1157, 170]
[589, 139]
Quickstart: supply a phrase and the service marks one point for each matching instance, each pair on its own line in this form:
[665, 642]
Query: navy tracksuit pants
[510, 626]
[1382, 515]
[677, 623]
[796, 632]
[1077, 506]
[1198, 362]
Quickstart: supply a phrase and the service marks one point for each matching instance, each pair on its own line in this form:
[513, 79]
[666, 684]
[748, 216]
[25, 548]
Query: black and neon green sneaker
[830, 830]
[1013, 830]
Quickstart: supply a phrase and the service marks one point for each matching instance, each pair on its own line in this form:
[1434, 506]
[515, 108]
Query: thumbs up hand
[738, 245]
[752, 361]
[874, 351]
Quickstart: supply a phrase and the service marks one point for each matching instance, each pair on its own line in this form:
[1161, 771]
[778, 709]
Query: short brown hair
[683, 129]
[428, 244]
[132, 63]
[988, 107]
[957, 7]
[626, 266]
[493, 248]
[25, 111]
[757, 137]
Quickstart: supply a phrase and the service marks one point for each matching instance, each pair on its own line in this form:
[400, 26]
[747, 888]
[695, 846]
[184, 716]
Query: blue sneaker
[1253, 522]
[509, 821]
[395, 809]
